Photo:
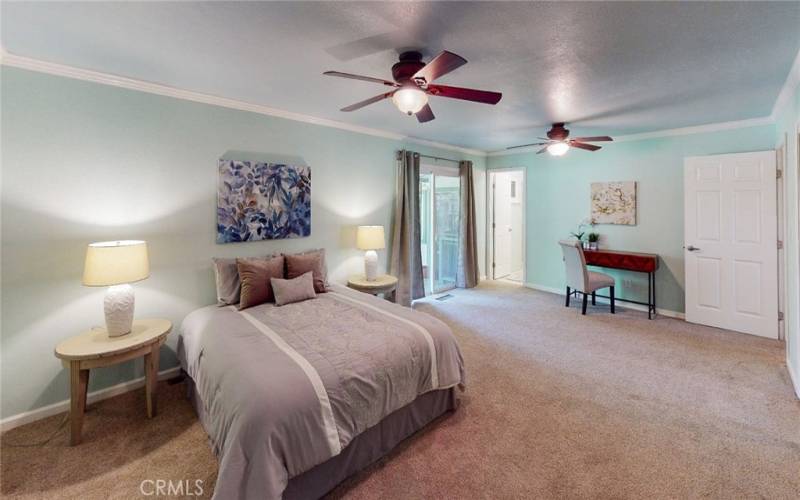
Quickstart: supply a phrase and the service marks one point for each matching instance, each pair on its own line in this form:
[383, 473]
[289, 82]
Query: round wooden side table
[94, 349]
[384, 283]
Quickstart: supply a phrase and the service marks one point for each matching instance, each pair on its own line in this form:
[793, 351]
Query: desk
[629, 261]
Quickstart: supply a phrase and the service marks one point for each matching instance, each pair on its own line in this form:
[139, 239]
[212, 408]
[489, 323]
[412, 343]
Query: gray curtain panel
[468, 274]
[406, 249]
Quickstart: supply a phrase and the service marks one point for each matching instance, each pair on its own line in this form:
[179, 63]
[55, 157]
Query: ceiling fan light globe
[558, 149]
[410, 100]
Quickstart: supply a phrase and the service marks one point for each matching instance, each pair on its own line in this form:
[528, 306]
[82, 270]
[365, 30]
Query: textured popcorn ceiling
[616, 68]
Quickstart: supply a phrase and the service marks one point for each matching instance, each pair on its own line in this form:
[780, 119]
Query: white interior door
[502, 225]
[516, 182]
[730, 238]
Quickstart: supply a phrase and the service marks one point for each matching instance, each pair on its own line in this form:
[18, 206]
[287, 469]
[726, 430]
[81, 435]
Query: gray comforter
[287, 388]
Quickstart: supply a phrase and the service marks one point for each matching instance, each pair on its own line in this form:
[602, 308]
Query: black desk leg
[649, 296]
[654, 294]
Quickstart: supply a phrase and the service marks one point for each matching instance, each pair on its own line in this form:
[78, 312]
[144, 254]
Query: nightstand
[94, 349]
[385, 283]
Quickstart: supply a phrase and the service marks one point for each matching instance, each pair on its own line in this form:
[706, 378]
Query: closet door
[731, 242]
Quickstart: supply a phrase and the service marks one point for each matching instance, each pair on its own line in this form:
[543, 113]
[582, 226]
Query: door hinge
[780, 245]
[779, 174]
[494, 225]
[493, 265]
[780, 315]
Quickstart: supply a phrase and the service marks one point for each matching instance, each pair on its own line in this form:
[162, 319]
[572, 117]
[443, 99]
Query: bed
[297, 398]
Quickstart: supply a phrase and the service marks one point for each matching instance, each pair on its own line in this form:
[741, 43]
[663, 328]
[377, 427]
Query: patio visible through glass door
[439, 221]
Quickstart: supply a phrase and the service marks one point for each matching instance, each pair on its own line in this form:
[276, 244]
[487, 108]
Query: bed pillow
[255, 275]
[226, 275]
[297, 289]
[301, 263]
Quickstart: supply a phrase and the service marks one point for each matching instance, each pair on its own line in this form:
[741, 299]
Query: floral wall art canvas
[614, 203]
[262, 201]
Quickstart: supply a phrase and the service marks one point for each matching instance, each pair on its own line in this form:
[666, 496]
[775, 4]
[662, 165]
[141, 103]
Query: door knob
[692, 248]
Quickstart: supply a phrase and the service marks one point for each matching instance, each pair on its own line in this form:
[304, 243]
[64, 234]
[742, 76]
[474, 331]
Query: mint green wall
[558, 198]
[786, 132]
[83, 162]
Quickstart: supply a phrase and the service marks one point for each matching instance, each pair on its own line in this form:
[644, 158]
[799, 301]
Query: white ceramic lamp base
[119, 305]
[371, 265]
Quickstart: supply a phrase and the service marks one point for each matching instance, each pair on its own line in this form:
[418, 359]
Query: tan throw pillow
[293, 290]
[226, 275]
[314, 261]
[255, 275]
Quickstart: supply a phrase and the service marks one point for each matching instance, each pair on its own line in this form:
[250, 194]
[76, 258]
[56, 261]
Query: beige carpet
[558, 405]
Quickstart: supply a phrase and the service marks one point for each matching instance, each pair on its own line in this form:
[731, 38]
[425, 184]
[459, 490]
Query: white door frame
[490, 217]
[780, 165]
[796, 317]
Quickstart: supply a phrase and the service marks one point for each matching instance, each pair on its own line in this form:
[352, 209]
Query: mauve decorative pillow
[296, 289]
[255, 275]
[301, 263]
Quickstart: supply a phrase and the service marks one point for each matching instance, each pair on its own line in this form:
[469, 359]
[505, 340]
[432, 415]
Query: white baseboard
[794, 378]
[636, 307]
[62, 406]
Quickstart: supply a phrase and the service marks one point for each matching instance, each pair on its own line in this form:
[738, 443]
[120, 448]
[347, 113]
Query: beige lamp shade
[370, 238]
[115, 263]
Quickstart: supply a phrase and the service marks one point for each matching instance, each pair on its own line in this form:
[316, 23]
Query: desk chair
[581, 279]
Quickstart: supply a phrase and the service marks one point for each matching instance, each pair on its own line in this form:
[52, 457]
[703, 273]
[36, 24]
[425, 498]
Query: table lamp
[370, 238]
[116, 264]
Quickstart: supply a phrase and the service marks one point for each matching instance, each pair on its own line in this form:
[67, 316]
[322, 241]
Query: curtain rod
[439, 158]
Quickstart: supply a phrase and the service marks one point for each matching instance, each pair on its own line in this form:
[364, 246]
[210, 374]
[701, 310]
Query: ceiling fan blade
[581, 145]
[599, 138]
[425, 114]
[439, 66]
[367, 102]
[526, 145]
[360, 77]
[541, 150]
[474, 95]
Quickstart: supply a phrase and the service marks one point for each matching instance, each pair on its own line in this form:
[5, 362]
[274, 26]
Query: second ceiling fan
[558, 143]
[413, 84]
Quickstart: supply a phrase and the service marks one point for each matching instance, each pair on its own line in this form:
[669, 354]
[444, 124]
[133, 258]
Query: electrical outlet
[627, 284]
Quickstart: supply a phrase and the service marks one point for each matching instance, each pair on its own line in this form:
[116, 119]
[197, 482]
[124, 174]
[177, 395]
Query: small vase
[592, 245]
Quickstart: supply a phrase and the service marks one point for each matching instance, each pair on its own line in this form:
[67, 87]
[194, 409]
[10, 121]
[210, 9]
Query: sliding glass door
[439, 199]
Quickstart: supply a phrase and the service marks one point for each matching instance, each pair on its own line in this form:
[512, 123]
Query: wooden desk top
[621, 259]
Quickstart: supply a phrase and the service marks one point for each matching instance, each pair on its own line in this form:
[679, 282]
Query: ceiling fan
[557, 143]
[413, 84]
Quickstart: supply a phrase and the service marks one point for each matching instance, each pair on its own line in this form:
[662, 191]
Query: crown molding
[31, 64]
[697, 129]
[792, 81]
